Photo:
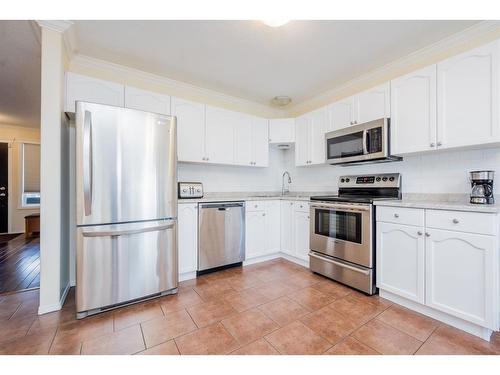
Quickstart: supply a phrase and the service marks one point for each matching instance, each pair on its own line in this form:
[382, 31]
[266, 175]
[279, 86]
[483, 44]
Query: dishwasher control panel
[190, 190]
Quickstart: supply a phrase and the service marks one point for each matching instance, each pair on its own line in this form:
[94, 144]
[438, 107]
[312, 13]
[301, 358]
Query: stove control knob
[384, 179]
[378, 179]
[391, 178]
[347, 180]
[342, 180]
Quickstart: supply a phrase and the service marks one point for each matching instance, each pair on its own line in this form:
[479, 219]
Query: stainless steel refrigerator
[126, 195]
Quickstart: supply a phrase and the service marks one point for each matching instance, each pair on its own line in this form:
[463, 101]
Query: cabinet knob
[427, 234]
[432, 144]
[419, 233]
[440, 143]
[255, 206]
[352, 123]
[263, 214]
[355, 122]
[455, 221]
[396, 215]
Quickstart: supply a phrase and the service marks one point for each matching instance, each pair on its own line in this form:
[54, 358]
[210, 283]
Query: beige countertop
[254, 196]
[453, 202]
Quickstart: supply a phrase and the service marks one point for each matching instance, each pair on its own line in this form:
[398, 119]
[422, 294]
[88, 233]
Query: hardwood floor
[274, 307]
[19, 263]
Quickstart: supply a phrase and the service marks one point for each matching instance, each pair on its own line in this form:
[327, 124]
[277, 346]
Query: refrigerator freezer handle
[87, 162]
[110, 233]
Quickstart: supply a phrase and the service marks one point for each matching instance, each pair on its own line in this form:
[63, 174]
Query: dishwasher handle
[222, 206]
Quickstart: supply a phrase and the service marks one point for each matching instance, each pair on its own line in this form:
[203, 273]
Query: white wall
[443, 172]
[224, 178]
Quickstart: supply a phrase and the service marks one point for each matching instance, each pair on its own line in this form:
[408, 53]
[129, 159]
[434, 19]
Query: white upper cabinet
[282, 130]
[413, 112]
[310, 132]
[373, 104]
[260, 143]
[190, 130]
[220, 125]
[341, 114]
[147, 101]
[88, 89]
[302, 140]
[243, 141]
[468, 98]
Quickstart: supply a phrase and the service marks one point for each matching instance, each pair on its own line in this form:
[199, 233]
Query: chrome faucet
[287, 190]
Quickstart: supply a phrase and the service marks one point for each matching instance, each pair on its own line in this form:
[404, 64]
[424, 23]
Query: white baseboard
[302, 262]
[187, 276]
[56, 306]
[262, 258]
[474, 329]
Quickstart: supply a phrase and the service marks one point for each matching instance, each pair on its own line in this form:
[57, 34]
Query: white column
[53, 286]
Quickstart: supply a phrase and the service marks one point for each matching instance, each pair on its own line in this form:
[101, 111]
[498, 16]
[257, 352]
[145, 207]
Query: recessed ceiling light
[281, 100]
[275, 23]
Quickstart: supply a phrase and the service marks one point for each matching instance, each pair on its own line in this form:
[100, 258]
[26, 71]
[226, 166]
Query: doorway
[4, 188]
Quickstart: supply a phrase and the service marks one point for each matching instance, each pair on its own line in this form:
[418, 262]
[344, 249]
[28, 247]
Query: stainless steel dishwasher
[221, 235]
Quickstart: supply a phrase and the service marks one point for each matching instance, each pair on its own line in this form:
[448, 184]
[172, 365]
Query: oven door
[343, 230]
[358, 143]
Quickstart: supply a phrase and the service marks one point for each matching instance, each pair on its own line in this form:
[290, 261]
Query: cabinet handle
[455, 221]
[352, 123]
[419, 233]
[255, 206]
[432, 144]
[427, 234]
[263, 214]
[396, 215]
[308, 217]
[439, 143]
[355, 122]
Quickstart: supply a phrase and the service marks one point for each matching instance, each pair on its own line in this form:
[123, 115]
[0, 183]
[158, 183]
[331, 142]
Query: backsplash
[440, 172]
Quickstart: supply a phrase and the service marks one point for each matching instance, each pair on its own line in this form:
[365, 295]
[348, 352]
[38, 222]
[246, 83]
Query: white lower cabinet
[262, 224]
[449, 271]
[459, 275]
[301, 234]
[400, 260]
[187, 237]
[287, 227]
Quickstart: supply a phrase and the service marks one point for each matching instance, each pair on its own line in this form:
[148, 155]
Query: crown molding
[102, 65]
[478, 34]
[54, 25]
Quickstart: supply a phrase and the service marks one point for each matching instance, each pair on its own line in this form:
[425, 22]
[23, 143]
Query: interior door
[4, 188]
[126, 165]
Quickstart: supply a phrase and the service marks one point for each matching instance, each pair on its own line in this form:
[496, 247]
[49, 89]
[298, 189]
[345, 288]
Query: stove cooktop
[349, 198]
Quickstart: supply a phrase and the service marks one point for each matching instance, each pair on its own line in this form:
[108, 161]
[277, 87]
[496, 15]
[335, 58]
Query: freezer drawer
[221, 234]
[123, 262]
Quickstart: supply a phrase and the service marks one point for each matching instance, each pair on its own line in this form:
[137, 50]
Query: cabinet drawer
[301, 206]
[255, 206]
[401, 215]
[471, 222]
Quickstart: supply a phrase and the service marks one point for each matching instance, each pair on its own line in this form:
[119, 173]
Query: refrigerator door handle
[87, 162]
[122, 232]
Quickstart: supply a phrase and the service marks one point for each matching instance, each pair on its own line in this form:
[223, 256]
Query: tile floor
[275, 307]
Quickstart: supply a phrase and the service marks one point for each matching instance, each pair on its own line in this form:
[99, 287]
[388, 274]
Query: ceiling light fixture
[275, 23]
[281, 100]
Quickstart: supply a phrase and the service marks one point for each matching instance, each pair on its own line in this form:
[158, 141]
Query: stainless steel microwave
[364, 143]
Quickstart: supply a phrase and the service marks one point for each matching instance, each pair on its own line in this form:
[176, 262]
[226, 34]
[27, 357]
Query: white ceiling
[250, 60]
[19, 74]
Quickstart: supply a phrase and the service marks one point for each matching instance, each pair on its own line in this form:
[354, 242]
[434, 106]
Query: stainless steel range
[342, 233]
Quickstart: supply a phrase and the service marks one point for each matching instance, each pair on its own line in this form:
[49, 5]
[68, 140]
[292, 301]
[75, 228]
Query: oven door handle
[340, 207]
[343, 265]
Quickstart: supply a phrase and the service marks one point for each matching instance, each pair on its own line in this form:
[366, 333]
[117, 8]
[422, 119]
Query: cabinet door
[243, 141]
[287, 237]
[400, 260]
[317, 130]
[260, 142]
[413, 112]
[220, 134]
[468, 98]
[88, 89]
[147, 101]
[373, 104]
[188, 237]
[302, 140]
[273, 213]
[255, 236]
[282, 130]
[301, 233]
[341, 113]
[460, 269]
[190, 129]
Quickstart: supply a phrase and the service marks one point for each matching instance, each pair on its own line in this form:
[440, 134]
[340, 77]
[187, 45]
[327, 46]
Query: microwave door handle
[365, 138]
